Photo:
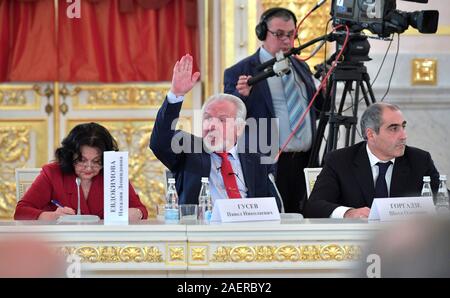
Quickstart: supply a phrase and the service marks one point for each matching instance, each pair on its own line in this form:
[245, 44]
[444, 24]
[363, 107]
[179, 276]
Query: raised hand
[182, 79]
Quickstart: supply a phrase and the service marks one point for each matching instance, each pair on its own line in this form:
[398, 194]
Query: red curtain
[111, 42]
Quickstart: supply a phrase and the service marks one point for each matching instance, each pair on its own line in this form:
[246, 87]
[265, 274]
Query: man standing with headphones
[285, 98]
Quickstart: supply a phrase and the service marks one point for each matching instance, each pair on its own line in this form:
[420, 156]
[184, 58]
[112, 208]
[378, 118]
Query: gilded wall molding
[19, 97]
[176, 254]
[424, 71]
[286, 253]
[313, 27]
[198, 254]
[121, 96]
[23, 144]
[115, 254]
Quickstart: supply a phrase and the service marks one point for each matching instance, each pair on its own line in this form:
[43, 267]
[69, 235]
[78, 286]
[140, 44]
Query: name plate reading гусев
[249, 209]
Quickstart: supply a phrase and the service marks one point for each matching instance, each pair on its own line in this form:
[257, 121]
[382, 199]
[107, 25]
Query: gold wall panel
[313, 27]
[17, 150]
[424, 71]
[19, 97]
[198, 254]
[122, 96]
[115, 254]
[228, 33]
[286, 253]
[145, 171]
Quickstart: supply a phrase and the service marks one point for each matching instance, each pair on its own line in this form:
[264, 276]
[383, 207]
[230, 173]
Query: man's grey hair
[241, 110]
[372, 117]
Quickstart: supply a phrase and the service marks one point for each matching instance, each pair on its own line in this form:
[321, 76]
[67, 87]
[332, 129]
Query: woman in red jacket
[81, 155]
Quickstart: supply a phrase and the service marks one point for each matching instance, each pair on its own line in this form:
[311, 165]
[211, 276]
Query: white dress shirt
[216, 184]
[340, 211]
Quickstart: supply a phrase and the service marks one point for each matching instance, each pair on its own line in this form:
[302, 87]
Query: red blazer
[52, 184]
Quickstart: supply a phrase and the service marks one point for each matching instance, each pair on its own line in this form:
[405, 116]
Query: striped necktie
[293, 101]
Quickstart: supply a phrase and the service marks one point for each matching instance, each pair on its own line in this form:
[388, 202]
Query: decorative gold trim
[40, 127]
[286, 253]
[227, 36]
[17, 151]
[198, 254]
[17, 99]
[56, 116]
[252, 19]
[208, 29]
[176, 254]
[424, 71]
[123, 96]
[116, 254]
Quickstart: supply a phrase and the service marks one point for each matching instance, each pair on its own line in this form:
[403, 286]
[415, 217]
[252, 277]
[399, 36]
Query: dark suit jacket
[259, 102]
[346, 179]
[52, 184]
[189, 166]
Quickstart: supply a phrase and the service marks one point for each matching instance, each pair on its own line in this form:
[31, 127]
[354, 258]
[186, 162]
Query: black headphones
[261, 29]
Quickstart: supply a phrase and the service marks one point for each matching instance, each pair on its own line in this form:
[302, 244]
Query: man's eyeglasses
[280, 34]
[96, 164]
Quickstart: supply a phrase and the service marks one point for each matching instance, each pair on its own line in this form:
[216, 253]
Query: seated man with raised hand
[381, 166]
[232, 174]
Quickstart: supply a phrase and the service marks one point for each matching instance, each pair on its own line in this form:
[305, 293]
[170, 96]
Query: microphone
[272, 179]
[270, 71]
[78, 218]
[319, 4]
[279, 68]
[78, 182]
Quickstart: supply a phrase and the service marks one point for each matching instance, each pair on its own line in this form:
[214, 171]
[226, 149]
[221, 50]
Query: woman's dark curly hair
[86, 134]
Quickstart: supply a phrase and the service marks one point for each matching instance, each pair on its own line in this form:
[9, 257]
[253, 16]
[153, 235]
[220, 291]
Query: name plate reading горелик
[390, 209]
[249, 209]
[115, 183]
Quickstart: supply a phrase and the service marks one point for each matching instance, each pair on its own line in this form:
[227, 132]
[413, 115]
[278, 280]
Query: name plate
[115, 183]
[249, 209]
[391, 209]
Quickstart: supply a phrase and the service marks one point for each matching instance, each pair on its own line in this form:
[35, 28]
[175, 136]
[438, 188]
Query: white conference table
[290, 248]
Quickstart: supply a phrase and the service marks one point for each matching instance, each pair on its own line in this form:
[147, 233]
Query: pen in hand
[61, 209]
[58, 204]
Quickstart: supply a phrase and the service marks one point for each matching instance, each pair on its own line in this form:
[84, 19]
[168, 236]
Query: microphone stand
[78, 218]
[272, 179]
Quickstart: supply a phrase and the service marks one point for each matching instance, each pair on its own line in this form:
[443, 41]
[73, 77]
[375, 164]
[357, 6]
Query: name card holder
[115, 183]
[242, 210]
[392, 209]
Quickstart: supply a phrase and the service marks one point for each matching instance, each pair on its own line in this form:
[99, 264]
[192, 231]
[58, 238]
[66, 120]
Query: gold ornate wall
[20, 140]
[313, 27]
[35, 118]
[145, 171]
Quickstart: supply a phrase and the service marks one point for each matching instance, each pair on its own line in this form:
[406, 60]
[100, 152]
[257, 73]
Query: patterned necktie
[229, 179]
[293, 101]
[381, 190]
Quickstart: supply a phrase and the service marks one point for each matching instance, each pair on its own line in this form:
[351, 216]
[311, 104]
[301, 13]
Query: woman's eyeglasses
[95, 164]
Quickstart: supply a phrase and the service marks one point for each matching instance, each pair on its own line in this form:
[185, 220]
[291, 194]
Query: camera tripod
[353, 74]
